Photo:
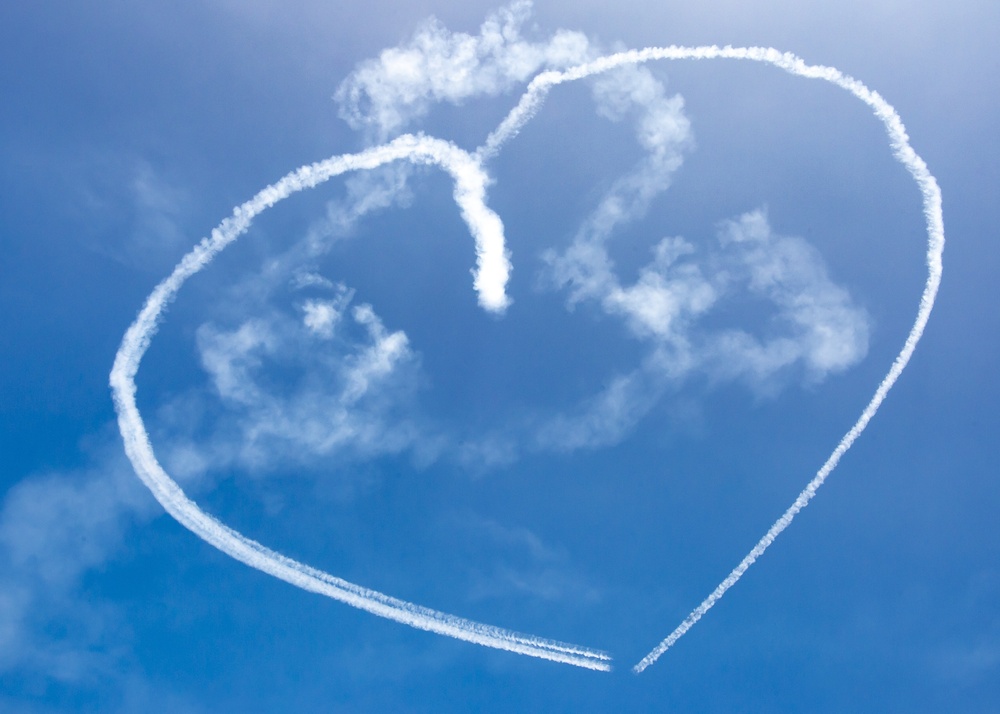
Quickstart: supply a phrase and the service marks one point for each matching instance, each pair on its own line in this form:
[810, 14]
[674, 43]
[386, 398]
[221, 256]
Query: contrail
[490, 279]
[492, 271]
[899, 141]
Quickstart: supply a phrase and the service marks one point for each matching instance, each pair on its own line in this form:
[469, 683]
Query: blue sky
[713, 265]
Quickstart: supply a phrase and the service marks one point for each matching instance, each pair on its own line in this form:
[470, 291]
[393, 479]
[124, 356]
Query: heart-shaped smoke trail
[490, 281]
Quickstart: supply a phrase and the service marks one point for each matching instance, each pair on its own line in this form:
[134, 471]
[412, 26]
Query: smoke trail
[490, 278]
[904, 153]
[493, 268]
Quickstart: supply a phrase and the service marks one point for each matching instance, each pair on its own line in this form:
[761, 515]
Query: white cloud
[59, 525]
[812, 320]
[602, 420]
[831, 332]
[661, 127]
[129, 209]
[481, 453]
[386, 93]
[667, 297]
[54, 528]
[809, 321]
[322, 316]
[290, 398]
[515, 561]
[58, 531]
[815, 321]
[366, 192]
[304, 279]
[231, 357]
[378, 360]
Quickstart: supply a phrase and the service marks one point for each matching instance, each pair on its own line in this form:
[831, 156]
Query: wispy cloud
[130, 209]
[818, 322]
[813, 326]
[366, 193]
[296, 392]
[322, 316]
[53, 529]
[602, 420]
[385, 94]
[514, 561]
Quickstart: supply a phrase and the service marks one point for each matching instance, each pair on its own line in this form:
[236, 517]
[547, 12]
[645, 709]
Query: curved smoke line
[490, 279]
[529, 104]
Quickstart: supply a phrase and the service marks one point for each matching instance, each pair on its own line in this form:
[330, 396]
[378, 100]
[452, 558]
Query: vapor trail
[491, 275]
[904, 153]
[490, 279]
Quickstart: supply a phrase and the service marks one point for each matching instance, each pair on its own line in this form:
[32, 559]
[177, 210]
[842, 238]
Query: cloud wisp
[383, 95]
[491, 275]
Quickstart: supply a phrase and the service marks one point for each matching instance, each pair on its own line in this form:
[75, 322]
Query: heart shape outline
[491, 274]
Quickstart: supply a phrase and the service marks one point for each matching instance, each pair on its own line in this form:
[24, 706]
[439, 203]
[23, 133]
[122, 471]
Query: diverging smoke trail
[904, 153]
[491, 275]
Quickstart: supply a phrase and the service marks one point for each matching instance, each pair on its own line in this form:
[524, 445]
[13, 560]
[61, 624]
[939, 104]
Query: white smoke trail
[490, 280]
[904, 153]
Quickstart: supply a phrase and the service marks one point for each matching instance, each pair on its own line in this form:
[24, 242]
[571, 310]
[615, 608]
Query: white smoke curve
[490, 278]
[904, 153]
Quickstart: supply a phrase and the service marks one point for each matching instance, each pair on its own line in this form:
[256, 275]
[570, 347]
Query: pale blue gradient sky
[128, 132]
